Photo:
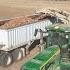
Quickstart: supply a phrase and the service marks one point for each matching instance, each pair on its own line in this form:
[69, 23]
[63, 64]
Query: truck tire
[0, 58]
[17, 54]
[6, 59]
[23, 50]
[20, 55]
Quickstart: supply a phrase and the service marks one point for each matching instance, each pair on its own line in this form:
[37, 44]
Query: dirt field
[12, 8]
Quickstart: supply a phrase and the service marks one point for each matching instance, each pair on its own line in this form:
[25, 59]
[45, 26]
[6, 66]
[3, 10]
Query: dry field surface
[13, 8]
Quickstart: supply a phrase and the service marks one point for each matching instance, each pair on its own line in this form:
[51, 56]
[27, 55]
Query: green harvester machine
[44, 60]
[56, 56]
[60, 35]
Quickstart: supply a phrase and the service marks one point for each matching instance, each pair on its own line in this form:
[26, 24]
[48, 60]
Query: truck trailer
[17, 35]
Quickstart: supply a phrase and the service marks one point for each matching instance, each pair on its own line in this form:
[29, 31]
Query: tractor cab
[59, 34]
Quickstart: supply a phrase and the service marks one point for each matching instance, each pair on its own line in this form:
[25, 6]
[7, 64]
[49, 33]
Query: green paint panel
[46, 54]
[40, 59]
[61, 28]
[31, 65]
[64, 66]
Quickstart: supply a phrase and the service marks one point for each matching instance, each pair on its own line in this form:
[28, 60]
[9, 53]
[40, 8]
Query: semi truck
[58, 34]
[17, 35]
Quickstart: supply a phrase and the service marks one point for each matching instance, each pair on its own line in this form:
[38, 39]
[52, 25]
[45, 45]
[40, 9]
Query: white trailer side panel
[20, 36]
[3, 39]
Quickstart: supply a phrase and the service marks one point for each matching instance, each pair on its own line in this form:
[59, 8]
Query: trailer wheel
[20, 55]
[17, 54]
[6, 59]
[23, 50]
